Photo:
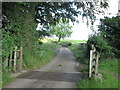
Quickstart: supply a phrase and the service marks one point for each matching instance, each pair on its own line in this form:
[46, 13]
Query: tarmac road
[59, 73]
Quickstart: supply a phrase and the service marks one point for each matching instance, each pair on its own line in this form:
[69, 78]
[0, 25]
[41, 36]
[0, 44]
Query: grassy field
[72, 41]
[109, 70]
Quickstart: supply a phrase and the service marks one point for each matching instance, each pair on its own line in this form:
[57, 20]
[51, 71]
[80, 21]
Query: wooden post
[96, 67]
[20, 61]
[10, 60]
[15, 57]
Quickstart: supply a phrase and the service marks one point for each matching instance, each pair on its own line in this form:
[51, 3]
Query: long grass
[39, 56]
[109, 70]
[6, 78]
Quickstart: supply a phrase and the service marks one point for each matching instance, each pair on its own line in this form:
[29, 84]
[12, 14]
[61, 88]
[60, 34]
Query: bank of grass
[6, 78]
[40, 56]
[33, 59]
[80, 53]
[109, 70]
[72, 41]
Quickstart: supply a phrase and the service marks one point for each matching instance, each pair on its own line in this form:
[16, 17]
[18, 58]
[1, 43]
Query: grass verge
[6, 78]
[109, 70]
[39, 56]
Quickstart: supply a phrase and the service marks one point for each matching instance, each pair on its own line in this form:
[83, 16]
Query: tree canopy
[61, 30]
[107, 40]
[19, 19]
[51, 12]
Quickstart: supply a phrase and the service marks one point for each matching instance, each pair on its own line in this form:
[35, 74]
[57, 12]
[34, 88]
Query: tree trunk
[59, 38]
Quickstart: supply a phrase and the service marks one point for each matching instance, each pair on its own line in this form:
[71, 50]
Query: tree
[61, 30]
[51, 12]
[19, 19]
[110, 30]
[107, 40]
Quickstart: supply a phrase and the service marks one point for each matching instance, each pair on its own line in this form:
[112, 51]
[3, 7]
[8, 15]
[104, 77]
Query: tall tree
[61, 30]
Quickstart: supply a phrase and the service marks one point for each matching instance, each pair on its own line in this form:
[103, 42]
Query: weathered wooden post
[14, 61]
[96, 67]
[15, 58]
[20, 61]
[10, 59]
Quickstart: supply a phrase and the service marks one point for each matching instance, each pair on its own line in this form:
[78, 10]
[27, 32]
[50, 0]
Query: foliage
[42, 54]
[107, 39]
[61, 30]
[109, 70]
[80, 53]
[110, 30]
[65, 44]
[39, 56]
[6, 77]
[19, 26]
[51, 12]
[101, 45]
[19, 20]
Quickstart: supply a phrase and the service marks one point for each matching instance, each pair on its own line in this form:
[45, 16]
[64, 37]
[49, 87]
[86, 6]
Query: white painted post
[90, 67]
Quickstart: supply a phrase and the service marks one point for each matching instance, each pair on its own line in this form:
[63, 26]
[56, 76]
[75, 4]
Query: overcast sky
[81, 31]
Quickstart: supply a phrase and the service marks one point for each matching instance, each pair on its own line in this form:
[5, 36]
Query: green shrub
[80, 53]
[102, 46]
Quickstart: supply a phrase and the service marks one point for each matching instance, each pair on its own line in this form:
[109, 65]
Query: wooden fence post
[96, 67]
[20, 61]
[15, 57]
[10, 59]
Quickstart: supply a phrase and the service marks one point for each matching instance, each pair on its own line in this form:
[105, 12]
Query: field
[65, 40]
